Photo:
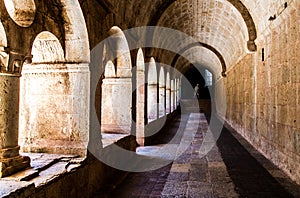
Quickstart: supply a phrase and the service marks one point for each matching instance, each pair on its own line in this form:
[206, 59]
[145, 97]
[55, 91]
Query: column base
[8, 166]
[140, 141]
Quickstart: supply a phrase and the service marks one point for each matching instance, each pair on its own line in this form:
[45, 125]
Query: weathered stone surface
[116, 105]
[262, 87]
[8, 166]
[16, 188]
[175, 189]
[55, 109]
[9, 114]
[63, 175]
[10, 160]
[140, 98]
[267, 117]
[22, 13]
[198, 178]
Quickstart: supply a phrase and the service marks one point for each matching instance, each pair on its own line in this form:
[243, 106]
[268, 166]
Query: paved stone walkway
[228, 170]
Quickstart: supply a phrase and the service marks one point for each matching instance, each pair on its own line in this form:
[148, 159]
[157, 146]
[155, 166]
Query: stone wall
[263, 94]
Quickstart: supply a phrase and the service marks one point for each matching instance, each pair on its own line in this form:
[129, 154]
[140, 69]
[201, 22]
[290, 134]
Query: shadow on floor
[151, 183]
[250, 178]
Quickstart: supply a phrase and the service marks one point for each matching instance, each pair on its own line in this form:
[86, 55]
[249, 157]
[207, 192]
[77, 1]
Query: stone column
[10, 159]
[168, 95]
[162, 109]
[161, 91]
[172, 95]
[178, 90]
[140, 99]
[152, 102]
[175, 93]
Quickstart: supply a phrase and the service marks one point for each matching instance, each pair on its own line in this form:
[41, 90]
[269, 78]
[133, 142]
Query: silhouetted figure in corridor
[196, 91]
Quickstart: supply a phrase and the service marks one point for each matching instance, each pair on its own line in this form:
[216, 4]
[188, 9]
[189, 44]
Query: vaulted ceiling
[224, 29]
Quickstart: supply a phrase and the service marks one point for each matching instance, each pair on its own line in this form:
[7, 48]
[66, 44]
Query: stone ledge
[54, 175]
[44, 167]
[55, 146]
[14, 188]
[111, 138]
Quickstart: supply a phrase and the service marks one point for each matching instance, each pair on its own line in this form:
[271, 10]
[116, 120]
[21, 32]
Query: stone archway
[117, 86]
[237, 4]
[152, 113]
[55, 86]
[54, 113]
[10, 71]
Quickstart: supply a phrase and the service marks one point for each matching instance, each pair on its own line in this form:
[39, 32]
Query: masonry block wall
[263, 93]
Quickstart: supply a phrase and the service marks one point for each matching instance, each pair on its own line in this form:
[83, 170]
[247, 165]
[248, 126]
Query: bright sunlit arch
[46, 48]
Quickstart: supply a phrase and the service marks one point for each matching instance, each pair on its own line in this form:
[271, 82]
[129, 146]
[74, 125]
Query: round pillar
[10, 159]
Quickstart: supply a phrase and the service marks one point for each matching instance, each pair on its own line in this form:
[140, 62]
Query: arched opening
[152, 113]
[119, 48]
[47, 49]
[204, 52]
[77, 47]
[108, 112]
[116, 102]
[196, 74]
[3, 55]
[10, 159]
[53, 102]
[178, 90]
[116, 94]
[21, 12]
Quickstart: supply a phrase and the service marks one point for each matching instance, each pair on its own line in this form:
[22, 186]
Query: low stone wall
[91, 177]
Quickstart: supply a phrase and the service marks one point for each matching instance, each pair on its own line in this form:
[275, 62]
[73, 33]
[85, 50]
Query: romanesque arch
[46, 49]
[3, 43]
[152, 113]
[21, 12]
[248, 20]
[10, 69]
[55, 109]
[204, 45]
[76, 36]
[120, 52]
[117, 86]
[35, 109]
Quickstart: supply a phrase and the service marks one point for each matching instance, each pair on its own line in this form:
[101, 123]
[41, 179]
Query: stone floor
[232, 168]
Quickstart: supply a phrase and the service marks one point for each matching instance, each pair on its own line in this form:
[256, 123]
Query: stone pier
[10, 159]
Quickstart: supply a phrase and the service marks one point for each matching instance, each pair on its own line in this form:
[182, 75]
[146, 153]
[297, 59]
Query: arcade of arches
[74, 80]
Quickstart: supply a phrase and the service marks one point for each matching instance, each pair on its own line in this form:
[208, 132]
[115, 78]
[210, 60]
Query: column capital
[11, 62]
